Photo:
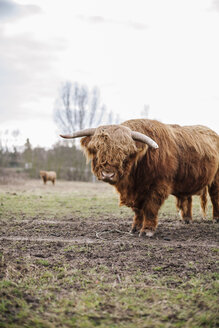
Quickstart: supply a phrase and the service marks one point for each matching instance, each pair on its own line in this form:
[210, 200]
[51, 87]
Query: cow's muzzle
[108, 176]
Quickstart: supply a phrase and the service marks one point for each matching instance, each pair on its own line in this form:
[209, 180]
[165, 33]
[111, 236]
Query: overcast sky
[164, 54]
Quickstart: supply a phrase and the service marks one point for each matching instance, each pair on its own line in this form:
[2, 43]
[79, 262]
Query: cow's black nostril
[107, 175]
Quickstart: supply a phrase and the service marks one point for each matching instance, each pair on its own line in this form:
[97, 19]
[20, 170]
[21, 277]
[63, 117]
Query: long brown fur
[186, 161]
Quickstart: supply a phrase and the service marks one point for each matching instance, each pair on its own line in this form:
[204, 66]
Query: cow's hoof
[216, 220]
[187, 221]
[148, 233]
[135, 229]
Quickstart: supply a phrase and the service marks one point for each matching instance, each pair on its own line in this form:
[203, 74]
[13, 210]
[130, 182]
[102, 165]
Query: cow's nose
[107, 175]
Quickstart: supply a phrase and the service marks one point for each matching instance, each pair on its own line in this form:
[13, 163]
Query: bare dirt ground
[174, 249]
[185, 249]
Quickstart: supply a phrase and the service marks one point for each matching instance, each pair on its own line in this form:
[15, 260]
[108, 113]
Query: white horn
[78, 134]
[137, 136]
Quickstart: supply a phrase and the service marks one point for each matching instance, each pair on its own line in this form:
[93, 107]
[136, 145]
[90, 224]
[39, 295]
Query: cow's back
[187, 157]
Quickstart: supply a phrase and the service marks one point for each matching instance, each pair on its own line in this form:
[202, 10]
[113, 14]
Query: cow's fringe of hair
[117, 149]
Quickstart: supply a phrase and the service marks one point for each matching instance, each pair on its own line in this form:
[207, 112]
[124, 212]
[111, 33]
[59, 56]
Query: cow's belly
[193, 179]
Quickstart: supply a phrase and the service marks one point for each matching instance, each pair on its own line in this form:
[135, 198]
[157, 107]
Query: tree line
[65, 158]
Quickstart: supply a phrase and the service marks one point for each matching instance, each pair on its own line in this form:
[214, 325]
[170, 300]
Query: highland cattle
[146, 161]
[48, 176]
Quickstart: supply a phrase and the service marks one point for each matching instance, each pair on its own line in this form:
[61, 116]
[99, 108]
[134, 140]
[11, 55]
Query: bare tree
[77, 108]
[8, 138]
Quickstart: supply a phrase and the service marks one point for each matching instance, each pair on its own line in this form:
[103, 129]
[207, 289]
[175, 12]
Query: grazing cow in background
[184, 205]
[146, 161]
[48, 176]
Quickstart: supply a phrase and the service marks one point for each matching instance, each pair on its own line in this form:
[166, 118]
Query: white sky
[138, 52]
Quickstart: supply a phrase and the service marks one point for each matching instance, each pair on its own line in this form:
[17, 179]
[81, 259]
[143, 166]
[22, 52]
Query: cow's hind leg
[186, 209]
[179, 206]
[214, 195]
[204, 200]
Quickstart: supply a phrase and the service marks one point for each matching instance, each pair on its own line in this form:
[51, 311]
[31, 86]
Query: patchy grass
[109, 279]
[85, 298]
[49, 203]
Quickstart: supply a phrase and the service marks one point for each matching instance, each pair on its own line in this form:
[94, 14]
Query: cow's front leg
[152, 204]
[149, 224]
[137, 221]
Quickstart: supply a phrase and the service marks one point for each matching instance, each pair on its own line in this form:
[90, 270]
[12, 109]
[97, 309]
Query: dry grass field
[67, 260]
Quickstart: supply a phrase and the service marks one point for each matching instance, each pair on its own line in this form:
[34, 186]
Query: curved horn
[78, 134]
[137, 136]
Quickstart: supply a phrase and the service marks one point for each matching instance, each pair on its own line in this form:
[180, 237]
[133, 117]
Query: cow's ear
[85, 146]
[141, 147]
[141, 151]
[85, 141]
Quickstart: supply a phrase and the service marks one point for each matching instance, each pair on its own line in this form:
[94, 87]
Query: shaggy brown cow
[184, 205]
[48, 176]
[127, 156]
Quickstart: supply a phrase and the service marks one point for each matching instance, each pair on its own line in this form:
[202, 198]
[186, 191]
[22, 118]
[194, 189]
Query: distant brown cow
[184, 205]
[48, 176]
[146, 161]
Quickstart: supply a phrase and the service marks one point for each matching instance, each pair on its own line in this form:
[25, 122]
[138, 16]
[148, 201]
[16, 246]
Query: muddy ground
[176, 248]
